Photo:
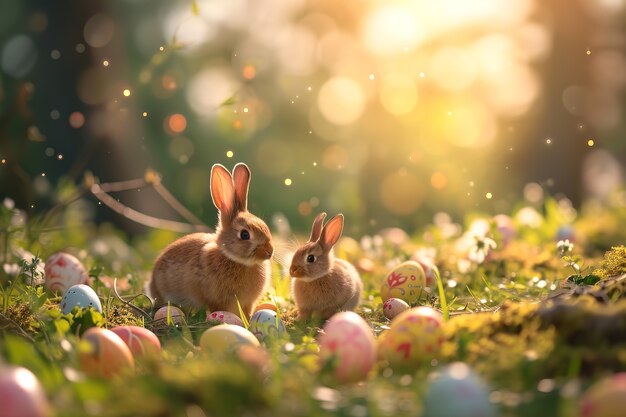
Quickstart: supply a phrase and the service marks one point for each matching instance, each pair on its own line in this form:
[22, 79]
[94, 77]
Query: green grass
[515, 318]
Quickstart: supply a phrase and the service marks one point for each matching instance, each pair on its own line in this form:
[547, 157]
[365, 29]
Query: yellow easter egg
[414, 337]
[225, 338]
[407, 282]
[606, 398]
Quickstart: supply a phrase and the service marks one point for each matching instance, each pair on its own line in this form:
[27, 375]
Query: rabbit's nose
[265, 252]
[295, 271]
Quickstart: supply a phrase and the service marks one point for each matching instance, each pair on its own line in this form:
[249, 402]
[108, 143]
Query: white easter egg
[63, 271]
[457, 391]
[348, 345]
[224, 317]
[82, 296]
[266, 325]
[393, 307]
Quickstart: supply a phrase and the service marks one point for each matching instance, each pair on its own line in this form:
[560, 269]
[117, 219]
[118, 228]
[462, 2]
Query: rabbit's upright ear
[241, 178]
[331, 232]
[316, 230]
[222, 191]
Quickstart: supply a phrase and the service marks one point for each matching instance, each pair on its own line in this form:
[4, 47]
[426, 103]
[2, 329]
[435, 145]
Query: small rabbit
[322, 284]
[213, 270]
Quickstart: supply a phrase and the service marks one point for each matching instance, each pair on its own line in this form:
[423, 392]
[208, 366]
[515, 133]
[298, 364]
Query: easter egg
[63, 271]
[103, 353]
[606, 398]
[348, 345]
[430, 279]
[176, 314]
[414, 337]
[224, 317]
[406, 281]
[266, 325]
[140, 341]
[266, 306]
[457, 391]
[394, 306]
[225, 338]
[80, 295]
[21, 394]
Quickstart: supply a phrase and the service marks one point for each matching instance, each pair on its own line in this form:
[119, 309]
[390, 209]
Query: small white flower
[564, 246]
[8, 203]
[481, 248]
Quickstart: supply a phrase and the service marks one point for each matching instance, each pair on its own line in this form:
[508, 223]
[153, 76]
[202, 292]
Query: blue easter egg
[80, 295]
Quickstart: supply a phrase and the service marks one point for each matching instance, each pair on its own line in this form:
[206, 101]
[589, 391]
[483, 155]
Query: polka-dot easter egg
[141, 341]
[457, 391]
[347, 343]
[175, 313]
[103, 353]
[406, 281]
[21, 393]
[394, 306]
[224, 317]
[63, 271]
[606, 398]
[225, 338]
[82, 296]
[266, 306]
[266, 325]
[414, 337]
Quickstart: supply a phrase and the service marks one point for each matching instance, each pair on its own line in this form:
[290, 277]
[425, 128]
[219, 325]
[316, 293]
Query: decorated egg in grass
[224, 317]
[62, 271]
[176, 314]
[266, 306]
[266, 325]
[606, 398]
[429, 267]
[82, 296]
[347, 347]
[407, 282]
[225, 338]
[414, 337]
[103, 353]
[21, 394]
[394, 306]
[457, 391]
[141, 341]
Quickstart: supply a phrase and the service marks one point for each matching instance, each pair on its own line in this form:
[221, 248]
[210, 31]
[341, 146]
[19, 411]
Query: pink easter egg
[176, 314]
[347, 341]
[63, 271]
[141, 341]
[21, 394]
[104, 353]
[224, 317]
[393, 307]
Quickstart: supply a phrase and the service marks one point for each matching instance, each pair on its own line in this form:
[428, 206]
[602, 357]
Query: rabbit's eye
[310, 259]
[244, 235]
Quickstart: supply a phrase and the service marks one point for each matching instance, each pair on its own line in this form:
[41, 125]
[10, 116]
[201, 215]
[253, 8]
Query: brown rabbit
[214, 270]
[322, 284]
